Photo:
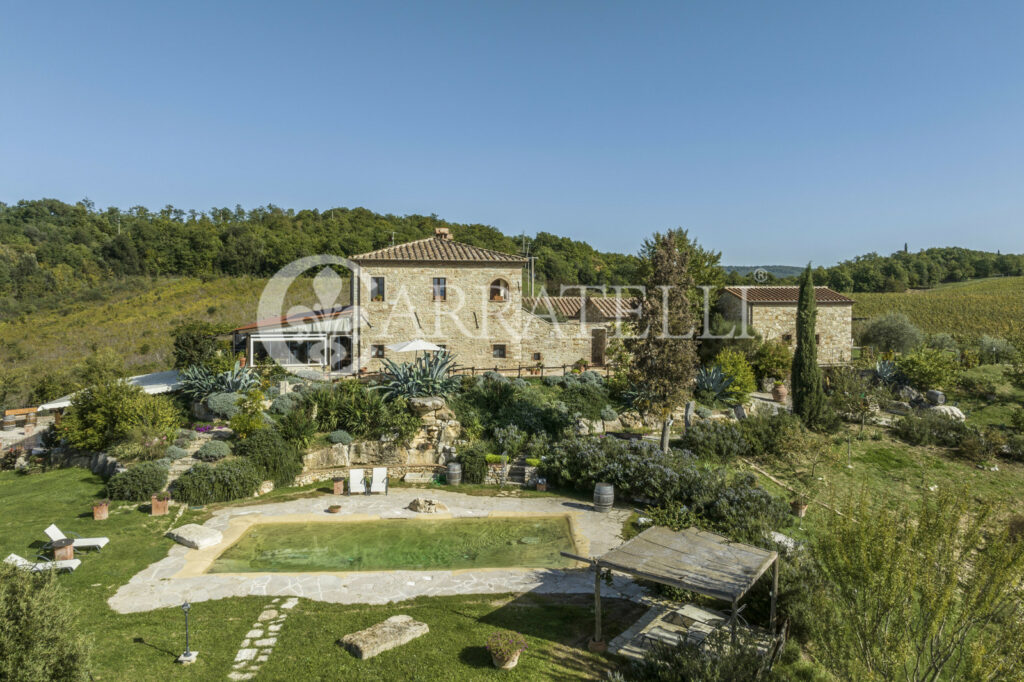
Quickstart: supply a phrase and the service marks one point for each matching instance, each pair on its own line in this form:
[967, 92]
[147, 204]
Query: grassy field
[145, 645]
[993, 306]
[134, 319]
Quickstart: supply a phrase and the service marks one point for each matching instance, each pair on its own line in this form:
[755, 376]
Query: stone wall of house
[468, 323]
[834, 325]
[834, 328]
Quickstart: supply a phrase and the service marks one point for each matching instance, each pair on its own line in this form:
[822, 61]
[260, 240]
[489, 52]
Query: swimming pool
[400, 544]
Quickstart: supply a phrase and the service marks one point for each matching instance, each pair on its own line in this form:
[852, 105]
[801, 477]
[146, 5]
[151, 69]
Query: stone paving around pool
[177, 578]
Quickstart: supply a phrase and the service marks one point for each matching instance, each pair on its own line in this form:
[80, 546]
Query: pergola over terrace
[692, 559]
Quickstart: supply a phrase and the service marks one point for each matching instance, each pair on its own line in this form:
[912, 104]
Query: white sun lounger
[355, 481]
[53, 532]
[379, 484]
[45, 565]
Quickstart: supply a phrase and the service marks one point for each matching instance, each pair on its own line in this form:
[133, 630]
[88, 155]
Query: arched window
[499, 290]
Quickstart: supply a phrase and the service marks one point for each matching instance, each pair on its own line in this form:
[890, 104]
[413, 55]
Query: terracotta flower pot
[780, 393]
[99, 511]
[506, 663]
[334, 509]
[542, 487]
[798, 508]
[158, 507]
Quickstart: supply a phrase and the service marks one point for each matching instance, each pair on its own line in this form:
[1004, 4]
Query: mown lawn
[145, 645]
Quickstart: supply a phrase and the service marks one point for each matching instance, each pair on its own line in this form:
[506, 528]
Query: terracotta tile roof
[566, 306]
[569, 306]
[615, 307]
[301, 318]
[438, 249]
[787, 295]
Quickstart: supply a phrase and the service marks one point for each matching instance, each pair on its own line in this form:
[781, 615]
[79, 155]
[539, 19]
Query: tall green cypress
[808, 393]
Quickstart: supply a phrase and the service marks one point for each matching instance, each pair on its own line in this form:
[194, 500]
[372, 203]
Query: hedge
[137, 483]
[205, 484]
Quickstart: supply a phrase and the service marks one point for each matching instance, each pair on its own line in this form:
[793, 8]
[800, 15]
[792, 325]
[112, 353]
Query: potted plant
[779, 392]
[100, 508]
[158, 503]
[542, 484]
[505, 648]
[334, 509]
[378, 299]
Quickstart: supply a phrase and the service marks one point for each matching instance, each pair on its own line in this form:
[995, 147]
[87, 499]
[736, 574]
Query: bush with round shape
[173, 452]
[187, 434]
[137, 483]
[212, 451]
[994, 351]
[224, 405]
[772, 360]
[552, 380]
[340, 437]
[609, 414]
[284, 404]
[107, 413]
[474, 462]
[928, 368]
[129, 452]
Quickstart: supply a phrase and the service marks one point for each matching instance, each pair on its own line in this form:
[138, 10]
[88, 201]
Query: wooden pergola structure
[691, 559]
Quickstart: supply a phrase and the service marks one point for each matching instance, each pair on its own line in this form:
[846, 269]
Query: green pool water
[398, 544]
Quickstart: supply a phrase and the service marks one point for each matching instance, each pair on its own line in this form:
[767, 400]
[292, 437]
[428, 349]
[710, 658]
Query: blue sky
[777, 132]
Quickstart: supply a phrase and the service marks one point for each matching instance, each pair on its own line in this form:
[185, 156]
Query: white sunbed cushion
[18, 560]
[380, 475]
[90, 542]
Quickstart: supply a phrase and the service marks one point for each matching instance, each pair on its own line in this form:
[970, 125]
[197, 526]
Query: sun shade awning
[691, 559]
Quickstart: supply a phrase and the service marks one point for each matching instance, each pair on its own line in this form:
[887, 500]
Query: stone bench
[418, 477]
[393, 632]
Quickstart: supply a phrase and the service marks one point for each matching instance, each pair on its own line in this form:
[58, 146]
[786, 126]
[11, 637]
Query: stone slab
[376, 639]
[194, 536]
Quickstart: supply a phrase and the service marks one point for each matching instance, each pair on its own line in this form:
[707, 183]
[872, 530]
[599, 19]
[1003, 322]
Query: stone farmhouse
[469, 301]
[771, 311]
[466, 299]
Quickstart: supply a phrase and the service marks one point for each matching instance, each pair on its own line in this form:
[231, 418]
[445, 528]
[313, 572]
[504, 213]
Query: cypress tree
[808, 393]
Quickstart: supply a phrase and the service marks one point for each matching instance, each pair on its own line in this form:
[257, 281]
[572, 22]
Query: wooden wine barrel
[604, 496]
[454, 473]
[8, 423]
[30, 419]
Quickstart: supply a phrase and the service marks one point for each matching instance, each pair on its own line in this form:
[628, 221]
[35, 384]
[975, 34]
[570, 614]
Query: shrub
[173, 452]
[495, 459]
[1014, 448]
[892, 333]
[772, 359]
[39, 639]
[609, 414]
[928, 368]
[735, 366]
[284, 404]
[474, 462]
[716, 441]
[551, 380]
[943, 341]
[195, 343]
[187, 434]
[1017, 419]
[213, 451]
[532, 462]
[129, 452]
[224, 405]
[297, 427]
[712, 385]
[930, 428]
[107, 413]
[994, 351]
[585, 399]
[340, 436]
[230, 480]
[364, 413]
[275, 459]
[773, 436]
[982, 382]
[138, 482]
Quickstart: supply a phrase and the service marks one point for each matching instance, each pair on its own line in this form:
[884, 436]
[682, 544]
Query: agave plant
[198, 382]
[428, 375]
[885, 371]
[712, 384]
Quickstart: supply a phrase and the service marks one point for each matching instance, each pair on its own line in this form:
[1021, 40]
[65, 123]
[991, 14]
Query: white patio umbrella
[416, 345]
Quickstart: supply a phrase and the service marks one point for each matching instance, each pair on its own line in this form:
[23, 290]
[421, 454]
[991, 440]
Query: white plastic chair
[78, 542]
[379, 484]
[355, 481]
[45, 565]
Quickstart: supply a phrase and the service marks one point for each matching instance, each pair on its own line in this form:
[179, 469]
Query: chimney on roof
[442, 233]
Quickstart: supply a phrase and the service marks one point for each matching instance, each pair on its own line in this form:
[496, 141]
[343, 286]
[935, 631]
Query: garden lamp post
[189, 656]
